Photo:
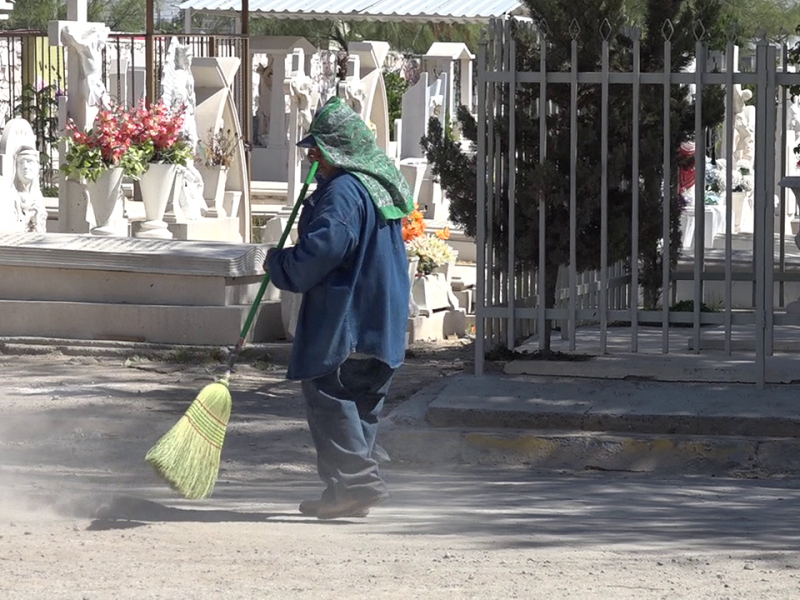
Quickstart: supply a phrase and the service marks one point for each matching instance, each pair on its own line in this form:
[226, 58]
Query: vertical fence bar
[634, 287]
[760, 202]
[494, 109]
[781, 173]
[769, 209]
[150, 53]
[499, 178]
[512, 189]
[132, 68]
[502, 189]
[604, 89]
[699, 195]
[542, 158]
[491, 102]
[729, 83]
[573, 191]
[666, 199]
[480, 282]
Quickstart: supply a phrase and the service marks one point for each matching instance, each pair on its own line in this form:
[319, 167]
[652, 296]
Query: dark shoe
[310, 508]
[348, 507]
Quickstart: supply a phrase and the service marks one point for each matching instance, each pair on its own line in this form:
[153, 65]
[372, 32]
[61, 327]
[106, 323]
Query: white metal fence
[519, 147]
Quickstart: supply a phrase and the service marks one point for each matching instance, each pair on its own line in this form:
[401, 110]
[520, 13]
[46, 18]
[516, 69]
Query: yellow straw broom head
[188, 455]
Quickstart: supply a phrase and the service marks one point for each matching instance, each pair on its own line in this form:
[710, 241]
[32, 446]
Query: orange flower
[443, 234]
[413, 225]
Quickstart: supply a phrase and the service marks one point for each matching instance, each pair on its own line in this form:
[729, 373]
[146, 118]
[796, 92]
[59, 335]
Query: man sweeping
[350, 265]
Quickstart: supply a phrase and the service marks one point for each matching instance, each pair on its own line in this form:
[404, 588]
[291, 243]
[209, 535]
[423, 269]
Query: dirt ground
[82, 515]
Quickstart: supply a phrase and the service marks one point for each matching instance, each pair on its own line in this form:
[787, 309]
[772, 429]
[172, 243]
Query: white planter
[105, 199]
[156, 184]
[737, 203]
[214, 181]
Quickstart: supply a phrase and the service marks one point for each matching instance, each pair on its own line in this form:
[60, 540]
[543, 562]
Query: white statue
[303, 91]
[264, 100]
[177, 88]
[743, 140]
[22, 206]
[794, 117]
[89, 42]
[177, 94]
[353, 94]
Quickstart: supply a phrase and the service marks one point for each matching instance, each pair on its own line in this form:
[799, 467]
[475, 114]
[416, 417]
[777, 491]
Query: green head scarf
[348, 144]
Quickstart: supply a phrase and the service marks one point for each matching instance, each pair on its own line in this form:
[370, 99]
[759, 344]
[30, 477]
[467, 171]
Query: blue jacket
[352, 269]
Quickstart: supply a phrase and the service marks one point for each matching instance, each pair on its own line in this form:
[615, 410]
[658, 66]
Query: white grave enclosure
[129, 289]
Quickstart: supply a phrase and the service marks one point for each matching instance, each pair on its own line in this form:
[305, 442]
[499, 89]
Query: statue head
[26, 169]
[183, 56]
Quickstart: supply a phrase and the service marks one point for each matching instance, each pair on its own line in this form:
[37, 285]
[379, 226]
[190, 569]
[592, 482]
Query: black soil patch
[504, 354]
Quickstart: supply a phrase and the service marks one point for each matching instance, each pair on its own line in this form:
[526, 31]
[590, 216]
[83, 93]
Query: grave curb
[22, 346]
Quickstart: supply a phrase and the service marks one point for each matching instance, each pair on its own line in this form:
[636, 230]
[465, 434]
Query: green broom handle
[284, 236]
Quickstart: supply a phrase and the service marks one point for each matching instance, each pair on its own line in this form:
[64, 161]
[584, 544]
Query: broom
[188, 455]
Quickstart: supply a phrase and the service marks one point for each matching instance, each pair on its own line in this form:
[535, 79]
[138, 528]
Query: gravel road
[82, 515]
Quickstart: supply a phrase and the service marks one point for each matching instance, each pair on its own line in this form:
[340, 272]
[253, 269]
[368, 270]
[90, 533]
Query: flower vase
[156, 185]
[104, 198]
[214, 181]
[737, 204]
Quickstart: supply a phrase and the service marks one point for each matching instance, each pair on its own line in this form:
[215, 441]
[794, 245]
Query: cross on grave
[86, 92]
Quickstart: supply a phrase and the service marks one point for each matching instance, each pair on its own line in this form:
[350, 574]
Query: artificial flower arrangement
[106, 145]
[716, 180]
[219, 148]
[431, 249]
[158, 133]
[128, 138]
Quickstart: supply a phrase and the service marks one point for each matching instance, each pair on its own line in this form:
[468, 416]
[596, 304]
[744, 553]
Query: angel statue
[743, 134]
[177, 94]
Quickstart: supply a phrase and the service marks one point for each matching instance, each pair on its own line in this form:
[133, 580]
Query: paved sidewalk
[561, 422]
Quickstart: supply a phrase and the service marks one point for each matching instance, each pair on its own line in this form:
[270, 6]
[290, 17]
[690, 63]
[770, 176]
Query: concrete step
[203, 325]
[654, 453]
[276, 352]
[589, 424]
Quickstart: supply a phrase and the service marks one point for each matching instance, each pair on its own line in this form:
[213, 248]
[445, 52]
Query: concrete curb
[24, 346]
[652, 424]
[588, 450]
[409, 437]
[664, 368]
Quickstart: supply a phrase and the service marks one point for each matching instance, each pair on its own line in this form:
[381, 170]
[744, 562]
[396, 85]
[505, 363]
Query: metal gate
[535, 131]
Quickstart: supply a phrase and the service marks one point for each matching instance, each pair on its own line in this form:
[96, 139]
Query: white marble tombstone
[269, 158]
[421, 102]
[372, 56]
[452, 58]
